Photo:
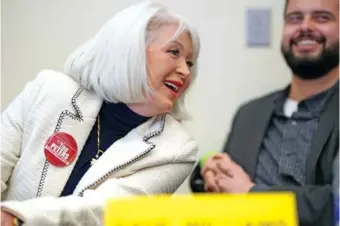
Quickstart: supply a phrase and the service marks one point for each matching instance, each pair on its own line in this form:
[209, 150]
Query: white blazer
[154, 158]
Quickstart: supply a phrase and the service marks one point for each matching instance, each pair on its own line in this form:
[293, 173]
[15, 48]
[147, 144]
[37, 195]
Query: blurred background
[40, 34]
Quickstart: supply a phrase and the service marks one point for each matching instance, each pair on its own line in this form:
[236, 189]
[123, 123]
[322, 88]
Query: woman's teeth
[171, 86]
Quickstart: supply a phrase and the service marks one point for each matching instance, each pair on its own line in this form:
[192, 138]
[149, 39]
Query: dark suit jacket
[243, 145]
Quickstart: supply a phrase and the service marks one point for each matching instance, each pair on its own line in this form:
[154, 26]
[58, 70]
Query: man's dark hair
[286, 6]
[285, 9]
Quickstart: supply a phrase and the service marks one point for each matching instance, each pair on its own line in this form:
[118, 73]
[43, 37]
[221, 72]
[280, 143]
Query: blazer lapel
[255, 140]
[248, 146]
[134, 146]
[328, 120]
[77, 121]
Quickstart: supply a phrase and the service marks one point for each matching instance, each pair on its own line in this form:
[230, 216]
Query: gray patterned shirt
[287, 142]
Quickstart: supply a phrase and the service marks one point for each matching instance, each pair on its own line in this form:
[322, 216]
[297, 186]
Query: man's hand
[232, 179]
[209, 172]
[7, 219]
[222, 174]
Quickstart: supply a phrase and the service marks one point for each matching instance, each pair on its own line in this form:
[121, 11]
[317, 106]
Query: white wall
[39, 34]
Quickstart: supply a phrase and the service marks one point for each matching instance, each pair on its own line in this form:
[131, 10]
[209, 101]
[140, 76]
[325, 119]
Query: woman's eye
[174, 52]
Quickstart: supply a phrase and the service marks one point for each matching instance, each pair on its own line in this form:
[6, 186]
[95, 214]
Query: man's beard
[308, 68]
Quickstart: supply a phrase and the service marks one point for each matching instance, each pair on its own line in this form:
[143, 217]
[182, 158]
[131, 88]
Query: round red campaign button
[60, 149]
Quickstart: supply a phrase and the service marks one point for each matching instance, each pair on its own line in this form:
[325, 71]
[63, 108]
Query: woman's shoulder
[174, 126]
[56, 80]
[56, 84]
[179, 138]
[176, 133]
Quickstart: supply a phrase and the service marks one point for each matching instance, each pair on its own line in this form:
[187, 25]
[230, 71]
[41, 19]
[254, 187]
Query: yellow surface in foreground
[264, 209]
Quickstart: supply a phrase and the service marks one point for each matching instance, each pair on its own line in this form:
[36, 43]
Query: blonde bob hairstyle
[113, 62]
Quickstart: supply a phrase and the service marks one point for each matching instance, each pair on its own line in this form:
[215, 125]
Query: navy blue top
[116, 120]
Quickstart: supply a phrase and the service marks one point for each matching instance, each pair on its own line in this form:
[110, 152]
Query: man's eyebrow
[329, 13]
[300, 13]
[296, 12]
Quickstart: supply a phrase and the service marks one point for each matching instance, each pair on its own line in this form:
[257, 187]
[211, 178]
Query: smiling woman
[113, 130]
[169, 59]
[166, 40]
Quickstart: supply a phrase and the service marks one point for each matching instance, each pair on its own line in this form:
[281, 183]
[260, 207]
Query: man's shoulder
[260, 102]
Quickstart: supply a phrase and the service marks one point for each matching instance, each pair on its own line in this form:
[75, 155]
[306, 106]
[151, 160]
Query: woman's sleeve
[89, 209]
[12, 127]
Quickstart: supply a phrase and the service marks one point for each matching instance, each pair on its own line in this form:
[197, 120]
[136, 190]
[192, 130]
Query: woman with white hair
[108, 127]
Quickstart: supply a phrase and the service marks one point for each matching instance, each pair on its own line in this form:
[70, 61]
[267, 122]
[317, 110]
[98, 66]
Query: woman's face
[168, 65]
